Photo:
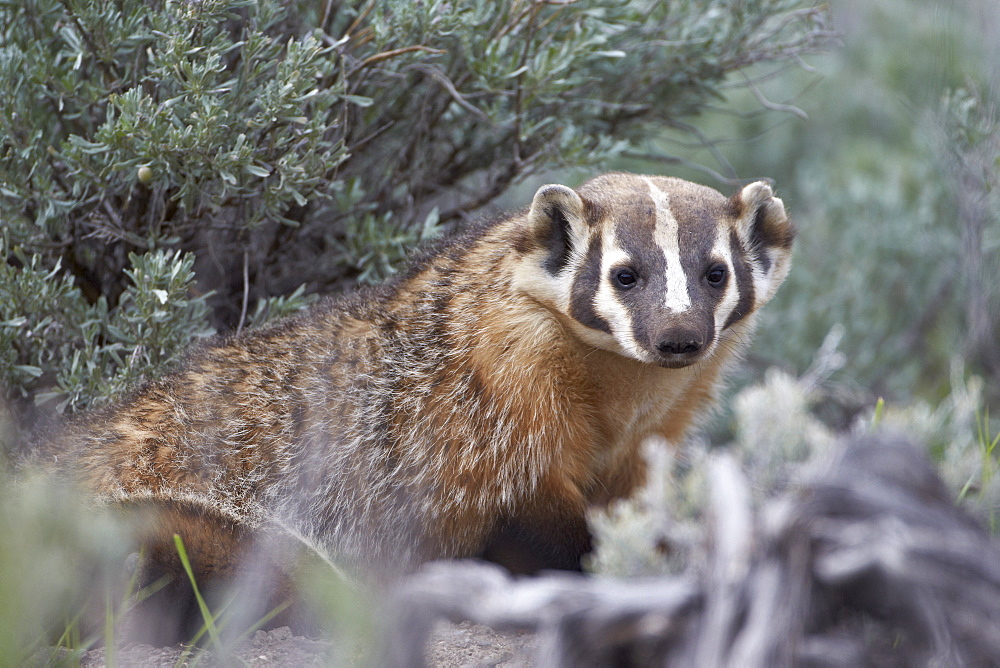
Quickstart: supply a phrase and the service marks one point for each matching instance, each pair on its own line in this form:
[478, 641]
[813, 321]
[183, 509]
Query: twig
[328, 5]
[677, 160]
[362, 15]
[246, 290]
[710, 145]
[385, 55]
[764, 102]
[447, 84]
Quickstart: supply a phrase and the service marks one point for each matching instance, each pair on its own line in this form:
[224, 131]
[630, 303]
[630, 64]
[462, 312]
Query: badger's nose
[680, 343]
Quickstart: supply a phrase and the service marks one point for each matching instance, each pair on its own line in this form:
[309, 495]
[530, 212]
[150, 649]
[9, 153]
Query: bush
[892, 180]
[58, 346]
[275, 146]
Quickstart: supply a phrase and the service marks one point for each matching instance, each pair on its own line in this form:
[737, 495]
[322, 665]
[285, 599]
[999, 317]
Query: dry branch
[867, 561]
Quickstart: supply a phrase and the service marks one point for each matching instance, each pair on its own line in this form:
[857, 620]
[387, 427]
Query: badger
[476, 406]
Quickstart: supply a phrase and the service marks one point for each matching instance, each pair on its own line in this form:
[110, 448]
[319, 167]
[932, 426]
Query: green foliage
[206, 614]
[982, 479]
[278, 307]
[968, 146]
[59, 347]
[893, 182]
[283, 144]
[661, 529]
[374, 244]
[57, 562]
[958, 432]
[897, 248]
[65, 589]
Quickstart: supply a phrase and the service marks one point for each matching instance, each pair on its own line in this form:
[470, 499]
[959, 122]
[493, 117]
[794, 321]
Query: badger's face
[657, 269]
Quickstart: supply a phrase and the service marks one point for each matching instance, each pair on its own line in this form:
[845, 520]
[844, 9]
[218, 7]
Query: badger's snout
[679, 344]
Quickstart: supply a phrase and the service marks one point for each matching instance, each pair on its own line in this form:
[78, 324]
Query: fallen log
[866, 560]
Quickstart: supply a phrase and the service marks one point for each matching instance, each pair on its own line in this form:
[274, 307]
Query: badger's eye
[625, 277]
[716, 276]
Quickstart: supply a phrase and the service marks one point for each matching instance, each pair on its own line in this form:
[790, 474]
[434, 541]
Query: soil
[451, 646]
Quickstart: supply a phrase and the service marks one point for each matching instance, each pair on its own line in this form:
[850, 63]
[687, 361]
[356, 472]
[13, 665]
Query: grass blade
[202, 605]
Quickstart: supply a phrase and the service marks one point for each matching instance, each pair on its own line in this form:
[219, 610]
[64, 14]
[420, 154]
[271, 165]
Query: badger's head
[657, 269]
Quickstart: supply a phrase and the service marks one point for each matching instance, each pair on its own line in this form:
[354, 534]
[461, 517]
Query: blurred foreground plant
[661, 529]
[59, 559]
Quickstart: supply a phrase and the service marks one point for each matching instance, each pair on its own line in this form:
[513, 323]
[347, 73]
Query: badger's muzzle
[681, 343]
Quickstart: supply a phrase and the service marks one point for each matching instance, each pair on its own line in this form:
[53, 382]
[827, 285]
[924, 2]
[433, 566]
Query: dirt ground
[451, 646]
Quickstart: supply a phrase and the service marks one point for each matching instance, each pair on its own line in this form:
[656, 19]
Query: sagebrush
[275, 145]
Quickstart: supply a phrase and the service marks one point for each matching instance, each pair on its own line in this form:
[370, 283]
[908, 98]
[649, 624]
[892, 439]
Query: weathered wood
[866, 561]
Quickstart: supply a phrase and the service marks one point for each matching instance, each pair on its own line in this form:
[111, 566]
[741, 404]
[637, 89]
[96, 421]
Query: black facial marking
[588, 279]
[698, 259]
[744, 283]
[522, 243]
[766, 234]
[635, 226]
[760, 239]
[557, 241]
[697, 226]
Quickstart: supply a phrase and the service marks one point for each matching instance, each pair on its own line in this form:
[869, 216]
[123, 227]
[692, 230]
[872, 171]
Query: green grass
[879, 407]
[987, 446]
[989, 462]
[206, 614]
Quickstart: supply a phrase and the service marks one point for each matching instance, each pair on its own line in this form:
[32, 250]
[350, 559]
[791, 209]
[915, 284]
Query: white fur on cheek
[731, 297]
[608, 305]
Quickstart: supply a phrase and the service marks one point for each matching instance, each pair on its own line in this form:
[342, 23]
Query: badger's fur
[476, 406]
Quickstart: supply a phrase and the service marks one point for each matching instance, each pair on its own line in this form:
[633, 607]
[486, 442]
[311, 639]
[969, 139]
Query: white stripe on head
[667, 236]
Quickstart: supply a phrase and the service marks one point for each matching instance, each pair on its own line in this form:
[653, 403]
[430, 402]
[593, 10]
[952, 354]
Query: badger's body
[474, 407]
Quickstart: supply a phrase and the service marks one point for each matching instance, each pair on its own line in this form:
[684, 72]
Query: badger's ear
[762, 224]
[766, 234]
[557, 222]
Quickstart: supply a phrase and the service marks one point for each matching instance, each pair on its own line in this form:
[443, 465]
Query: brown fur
[456, 412]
